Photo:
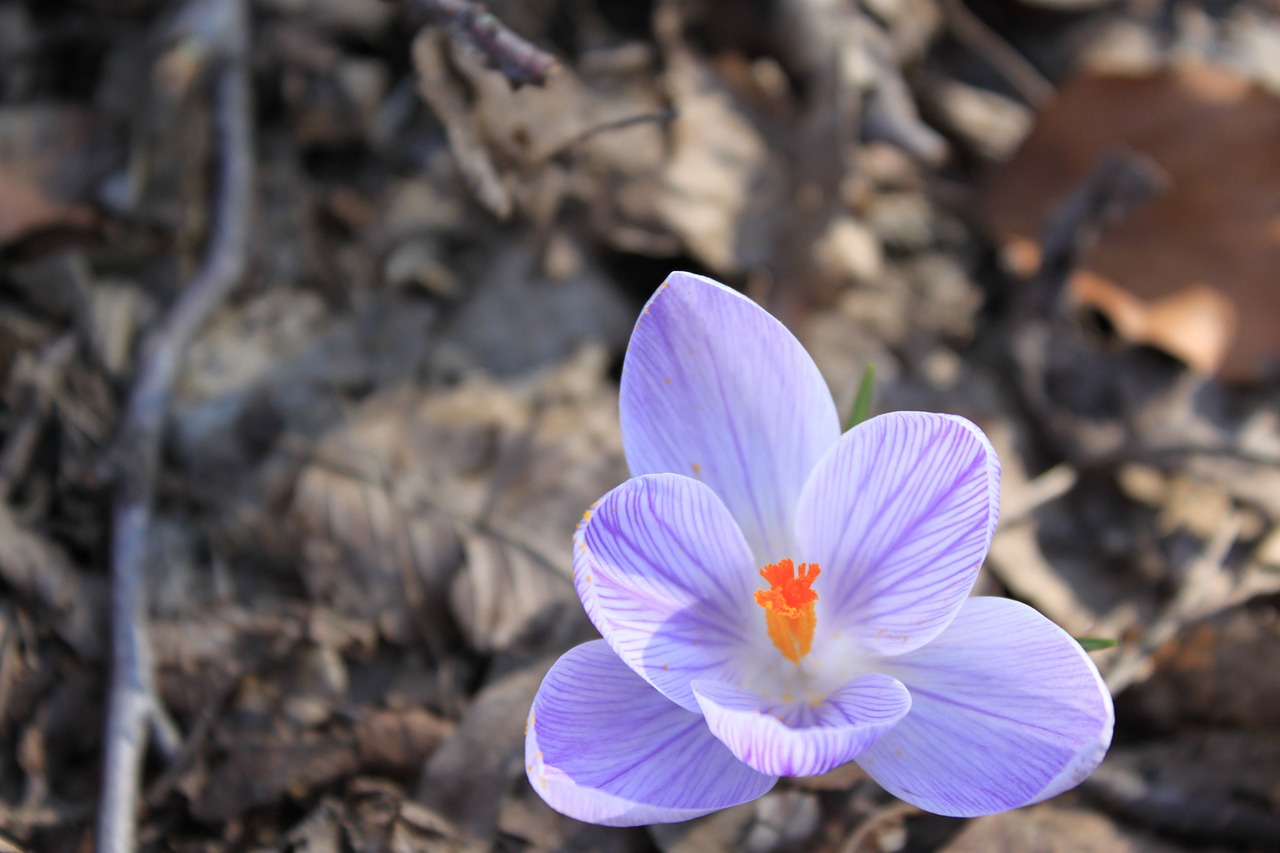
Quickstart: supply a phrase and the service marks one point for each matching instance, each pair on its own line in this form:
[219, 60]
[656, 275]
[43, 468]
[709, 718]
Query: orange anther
[788, 606]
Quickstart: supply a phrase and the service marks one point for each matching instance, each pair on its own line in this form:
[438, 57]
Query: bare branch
[132, 705]
[476, 27]
[986, 43]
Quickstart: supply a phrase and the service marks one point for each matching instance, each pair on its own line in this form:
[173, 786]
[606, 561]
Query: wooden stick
[475, 26]
[132, 707]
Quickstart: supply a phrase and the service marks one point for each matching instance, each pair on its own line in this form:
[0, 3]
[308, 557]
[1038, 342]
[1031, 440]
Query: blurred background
[311, 319]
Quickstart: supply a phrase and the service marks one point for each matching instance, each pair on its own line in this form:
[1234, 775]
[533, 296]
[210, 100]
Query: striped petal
[1007, 710]
[604, 747]
[899, 516]
[668, 580]
[715, 388]
[783, 737]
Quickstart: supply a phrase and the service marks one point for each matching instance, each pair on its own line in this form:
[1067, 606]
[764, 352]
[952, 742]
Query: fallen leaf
[1193, 271]
[722, 189]
[42, 164]
[466, 498]
[1223, 670]
[1051, 829]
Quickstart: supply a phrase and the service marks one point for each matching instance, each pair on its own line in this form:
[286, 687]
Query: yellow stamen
[788, 607]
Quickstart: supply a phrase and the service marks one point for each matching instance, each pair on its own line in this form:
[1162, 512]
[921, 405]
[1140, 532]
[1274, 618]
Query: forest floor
[311, 319]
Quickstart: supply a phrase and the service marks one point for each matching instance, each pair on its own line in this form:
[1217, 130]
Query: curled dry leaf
[722, 191]
[1193, 272]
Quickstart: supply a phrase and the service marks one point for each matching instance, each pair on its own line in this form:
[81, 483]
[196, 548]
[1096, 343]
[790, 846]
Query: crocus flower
[776, 599]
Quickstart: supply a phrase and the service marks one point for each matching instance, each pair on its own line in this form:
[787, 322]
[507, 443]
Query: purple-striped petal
[715, 388]
[786, 737]
[604, 747]
[899, 516]
[1007, 710]
[668, 580]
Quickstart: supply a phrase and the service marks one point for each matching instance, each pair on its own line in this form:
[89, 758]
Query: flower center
[788, 607]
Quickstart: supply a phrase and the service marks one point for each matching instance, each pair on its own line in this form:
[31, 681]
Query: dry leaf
[1224, 670]
[258, 767]
[1193, 271]
[1051, 829]
[42, 162]
[722, 191]
[1213, 784]
[483, 756]
[489, 477]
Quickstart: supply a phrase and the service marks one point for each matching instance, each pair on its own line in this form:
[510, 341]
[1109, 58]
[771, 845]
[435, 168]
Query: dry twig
[1031, 85]
[1208, 588]
[132, 705]
[444, 94]
[474, 26]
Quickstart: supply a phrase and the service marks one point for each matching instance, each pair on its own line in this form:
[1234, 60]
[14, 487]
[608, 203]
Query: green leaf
[862, 401]
[1093, 644]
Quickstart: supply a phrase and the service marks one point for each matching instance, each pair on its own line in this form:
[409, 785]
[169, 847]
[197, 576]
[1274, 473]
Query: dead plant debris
[358, 480]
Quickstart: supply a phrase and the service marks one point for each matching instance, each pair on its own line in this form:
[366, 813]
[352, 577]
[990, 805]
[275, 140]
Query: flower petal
[899, 516]
[604, 747]
[786, 738]
[668, 580]
[715, 388]
[1007, 710]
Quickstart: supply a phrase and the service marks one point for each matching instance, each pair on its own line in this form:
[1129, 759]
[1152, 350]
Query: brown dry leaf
[1193, 271]
[1070, 586]
[490, 477]
[722, 189]
[533, 147]
[1051, 829]
[201, 654]
[260, 766]
[42, 572]
[483, 756]
[445, 94]
[42, 161]
[366, 551]
[517, 319]
[1223, 670]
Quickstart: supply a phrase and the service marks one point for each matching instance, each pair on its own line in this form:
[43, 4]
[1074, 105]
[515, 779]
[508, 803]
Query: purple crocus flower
[777, 599]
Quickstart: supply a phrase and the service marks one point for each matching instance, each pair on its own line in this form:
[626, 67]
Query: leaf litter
[379, 446]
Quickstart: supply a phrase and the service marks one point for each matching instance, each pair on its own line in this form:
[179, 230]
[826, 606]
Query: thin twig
[665, 116]
[892, 811]
[1046, 488]
[474, 26]
[132, 707]
[1018, 72]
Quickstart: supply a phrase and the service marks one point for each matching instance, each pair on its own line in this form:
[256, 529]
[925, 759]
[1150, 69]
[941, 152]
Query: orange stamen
[788, 607]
